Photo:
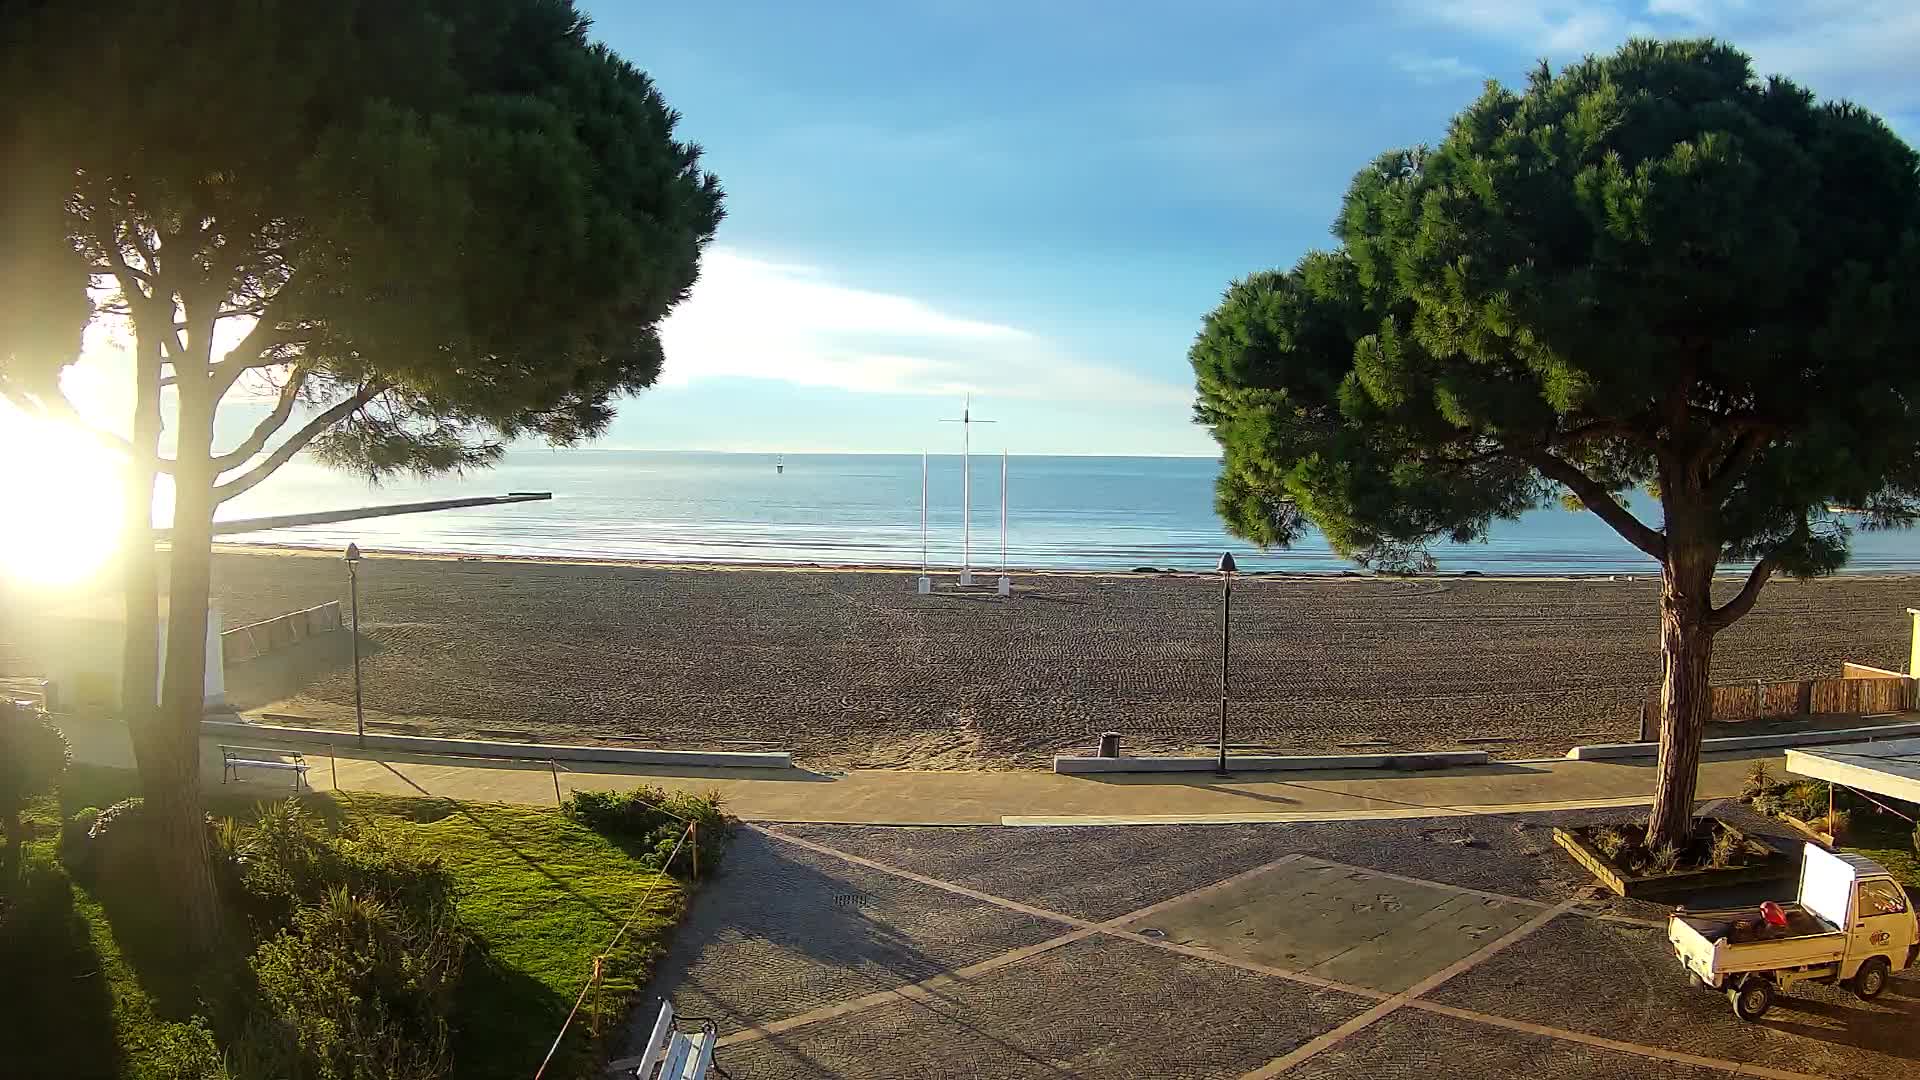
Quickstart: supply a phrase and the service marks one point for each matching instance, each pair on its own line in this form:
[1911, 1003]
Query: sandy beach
[851, 668]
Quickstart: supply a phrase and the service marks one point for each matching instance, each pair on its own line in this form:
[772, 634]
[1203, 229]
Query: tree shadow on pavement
[1891, 1026]
[774, 935]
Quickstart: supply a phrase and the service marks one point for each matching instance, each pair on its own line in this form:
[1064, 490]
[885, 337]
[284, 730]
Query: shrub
[1835, 823]
[1610, 841]
[1806, 800]
[356, 987]
[75, 831]
[1664, 860]
[33, 754]
[113, 837]
[288, 860]
[1759, 780]
[649, 822]
[1728, 845]
[175, 1051]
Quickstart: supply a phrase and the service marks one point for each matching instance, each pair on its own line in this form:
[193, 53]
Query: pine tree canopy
[436, 225]
[1652, 270]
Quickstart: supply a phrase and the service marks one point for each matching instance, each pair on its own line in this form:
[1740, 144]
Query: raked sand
[851, 668]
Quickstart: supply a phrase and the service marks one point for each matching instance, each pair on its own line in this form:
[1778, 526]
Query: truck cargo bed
[1735, 941]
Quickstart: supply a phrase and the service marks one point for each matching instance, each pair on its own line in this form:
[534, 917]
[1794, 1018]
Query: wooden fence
[1863, 690]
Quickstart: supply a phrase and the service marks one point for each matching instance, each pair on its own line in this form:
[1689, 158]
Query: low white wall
[1412, 761]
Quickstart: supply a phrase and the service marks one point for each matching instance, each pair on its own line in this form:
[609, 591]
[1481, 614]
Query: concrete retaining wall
[1402, 761]
[420, 744]
[1618, 751]
[257, 639]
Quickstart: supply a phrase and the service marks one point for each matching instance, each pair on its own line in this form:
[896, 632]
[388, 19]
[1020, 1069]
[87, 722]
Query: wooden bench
[235, 758]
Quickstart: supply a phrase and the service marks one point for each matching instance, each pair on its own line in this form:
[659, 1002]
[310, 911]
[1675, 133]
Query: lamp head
[1226, 563]
[353, 553]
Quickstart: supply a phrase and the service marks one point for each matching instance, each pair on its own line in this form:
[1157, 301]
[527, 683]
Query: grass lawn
[542, 896]
[1888, 841]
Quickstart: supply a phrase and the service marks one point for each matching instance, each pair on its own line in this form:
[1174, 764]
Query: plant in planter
[1803, 804]
[1717, 853]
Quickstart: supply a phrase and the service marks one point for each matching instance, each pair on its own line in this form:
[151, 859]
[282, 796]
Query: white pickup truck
[1852, 925]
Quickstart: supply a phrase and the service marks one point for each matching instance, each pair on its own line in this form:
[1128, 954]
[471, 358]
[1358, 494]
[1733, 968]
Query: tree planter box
[1771, 867]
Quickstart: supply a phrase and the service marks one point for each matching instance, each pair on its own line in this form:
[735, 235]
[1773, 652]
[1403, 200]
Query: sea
[1083, 513]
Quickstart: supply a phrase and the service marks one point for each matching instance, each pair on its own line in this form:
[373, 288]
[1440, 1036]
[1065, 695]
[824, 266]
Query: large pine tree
[420, 229]
[1651, 270]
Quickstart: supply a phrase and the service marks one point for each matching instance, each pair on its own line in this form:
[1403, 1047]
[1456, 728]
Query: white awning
[1890, 768]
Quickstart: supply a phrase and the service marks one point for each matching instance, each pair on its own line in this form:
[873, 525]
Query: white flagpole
[1005, 583]
[926, 583]
[966, 493]
[966, 423]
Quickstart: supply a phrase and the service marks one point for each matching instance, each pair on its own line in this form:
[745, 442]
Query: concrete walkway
[887, 797]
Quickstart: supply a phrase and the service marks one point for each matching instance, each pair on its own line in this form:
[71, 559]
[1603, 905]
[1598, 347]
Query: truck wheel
[1871, 979]
[1751, 999]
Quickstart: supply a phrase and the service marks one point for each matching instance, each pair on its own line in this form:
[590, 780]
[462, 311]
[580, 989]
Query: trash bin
[1110, 744]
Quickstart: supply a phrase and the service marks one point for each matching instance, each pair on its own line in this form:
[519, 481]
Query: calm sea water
[1062, 512]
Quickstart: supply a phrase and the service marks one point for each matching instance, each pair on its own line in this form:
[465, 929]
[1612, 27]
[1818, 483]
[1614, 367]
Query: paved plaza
[1427, 948]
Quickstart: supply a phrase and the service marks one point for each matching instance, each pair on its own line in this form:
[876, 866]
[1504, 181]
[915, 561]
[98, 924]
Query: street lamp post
[1226, 622]
[353, 590]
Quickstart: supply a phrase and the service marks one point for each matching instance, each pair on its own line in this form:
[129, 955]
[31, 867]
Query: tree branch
[245, 356]
[1599, 500]
[1745, 447]
[56, 407]
[246, 481]
[1599, 429]
[1729, 613]
[274, 421]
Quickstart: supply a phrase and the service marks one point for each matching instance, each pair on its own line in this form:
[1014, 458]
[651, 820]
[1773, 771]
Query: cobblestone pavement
[1379, 949]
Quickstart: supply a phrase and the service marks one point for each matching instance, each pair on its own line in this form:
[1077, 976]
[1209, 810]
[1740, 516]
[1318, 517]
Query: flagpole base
[926, 585]
[1006, 585]
[966, 577]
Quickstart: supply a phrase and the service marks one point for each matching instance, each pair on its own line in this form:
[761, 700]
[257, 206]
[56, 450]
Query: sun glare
[61, 491]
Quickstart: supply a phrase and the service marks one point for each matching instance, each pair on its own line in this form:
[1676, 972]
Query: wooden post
[593, 1017]
[555, 766]
[333, 762]
[693, 836]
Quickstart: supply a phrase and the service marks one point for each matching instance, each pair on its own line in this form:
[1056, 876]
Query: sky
[1037, 202]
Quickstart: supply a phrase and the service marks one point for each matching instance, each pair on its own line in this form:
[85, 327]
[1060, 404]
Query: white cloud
[1560, 27]
[750, 318]
[1692, 10]
[1437, 69]
[1857, 49]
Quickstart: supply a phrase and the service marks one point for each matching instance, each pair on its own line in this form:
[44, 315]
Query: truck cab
[1851, 924]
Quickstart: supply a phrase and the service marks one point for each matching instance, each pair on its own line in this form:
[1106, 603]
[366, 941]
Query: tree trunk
[140, 643]
[173, 790]
[1686, 693]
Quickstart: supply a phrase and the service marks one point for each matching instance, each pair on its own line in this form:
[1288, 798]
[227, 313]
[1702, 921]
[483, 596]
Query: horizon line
[849, 453]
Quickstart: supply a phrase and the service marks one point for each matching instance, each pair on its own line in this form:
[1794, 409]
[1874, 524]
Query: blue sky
[1038, 201]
